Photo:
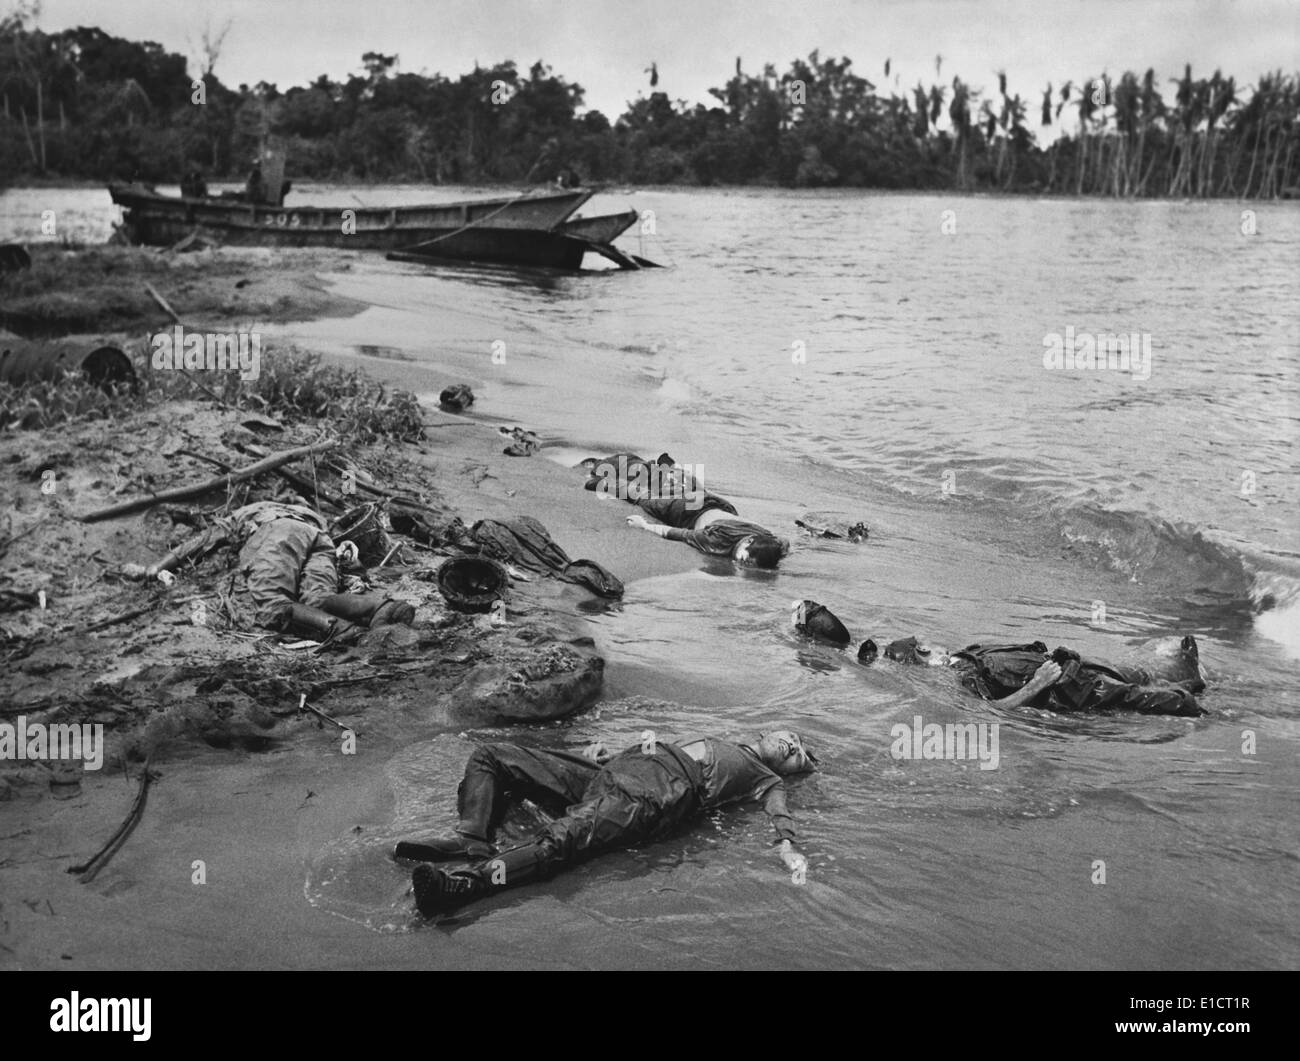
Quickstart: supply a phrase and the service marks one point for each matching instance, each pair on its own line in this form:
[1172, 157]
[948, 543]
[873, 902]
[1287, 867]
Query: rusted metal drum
[14, 257]
[22, 361]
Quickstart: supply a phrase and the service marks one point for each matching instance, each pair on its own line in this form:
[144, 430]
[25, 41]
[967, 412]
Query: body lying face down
[1059, 680]
[299, 579]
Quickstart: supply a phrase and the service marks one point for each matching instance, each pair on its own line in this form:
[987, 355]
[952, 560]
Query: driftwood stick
[195, 545]
[335, 466]
[162, 302]
[184, 493]
[135, 613]
[4, 545]
[166, 308]
[306, 487]
[203, 457]
[339, 683]
[207, 390]
[100, 859]
[125, 617]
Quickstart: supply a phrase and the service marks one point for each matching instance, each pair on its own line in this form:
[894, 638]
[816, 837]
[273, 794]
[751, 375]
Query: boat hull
[604, 229]
[475, 227]
[548, 250]
[525, 230]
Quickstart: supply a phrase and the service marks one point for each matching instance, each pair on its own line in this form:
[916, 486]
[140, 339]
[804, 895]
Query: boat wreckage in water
[532, 229]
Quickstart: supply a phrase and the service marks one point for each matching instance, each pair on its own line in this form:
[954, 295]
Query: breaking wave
[1190, 564]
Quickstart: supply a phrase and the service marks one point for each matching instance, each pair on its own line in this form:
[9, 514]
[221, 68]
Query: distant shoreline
[1290, 195]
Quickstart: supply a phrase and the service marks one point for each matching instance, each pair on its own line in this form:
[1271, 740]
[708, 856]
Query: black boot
[438, 892]
[368, 609]
[306, 621]
[445, 849]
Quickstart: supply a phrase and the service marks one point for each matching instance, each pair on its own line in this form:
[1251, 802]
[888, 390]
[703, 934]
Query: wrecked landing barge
[528, 230]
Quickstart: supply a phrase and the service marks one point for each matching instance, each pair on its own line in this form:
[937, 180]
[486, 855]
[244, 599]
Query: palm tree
[1127, 120]
[1187, 115]
[1152, 109]
[1222, 94]
[1087, 106]
[921, 125]
[959, 115]
[1013, 130]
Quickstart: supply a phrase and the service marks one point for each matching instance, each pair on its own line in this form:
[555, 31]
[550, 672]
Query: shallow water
[1004, 498]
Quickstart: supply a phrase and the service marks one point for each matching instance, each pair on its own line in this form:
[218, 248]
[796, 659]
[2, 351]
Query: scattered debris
[184, 493]
[102, 364]
[257, 422]
[456, 398]
[304, 706]
[523, 443]
[823, 526]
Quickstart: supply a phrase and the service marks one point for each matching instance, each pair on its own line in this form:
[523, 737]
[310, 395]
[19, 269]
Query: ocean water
[882, 357]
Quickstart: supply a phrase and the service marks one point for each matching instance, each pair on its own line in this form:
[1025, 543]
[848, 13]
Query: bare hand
[597, 753]
[1046, 675]
[637, 521]
[792, 859]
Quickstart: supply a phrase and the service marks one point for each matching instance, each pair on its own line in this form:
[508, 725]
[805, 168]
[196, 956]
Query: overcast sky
[605, 45]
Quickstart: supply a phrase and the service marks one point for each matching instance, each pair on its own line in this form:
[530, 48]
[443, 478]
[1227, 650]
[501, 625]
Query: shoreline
[77, 184]
[145, 909]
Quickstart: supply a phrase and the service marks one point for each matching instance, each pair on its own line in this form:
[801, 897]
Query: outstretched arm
[774, 805]
[641, 523]
[1043, 678]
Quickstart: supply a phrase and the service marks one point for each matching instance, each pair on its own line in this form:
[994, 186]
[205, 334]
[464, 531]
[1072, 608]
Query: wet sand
[255, 819]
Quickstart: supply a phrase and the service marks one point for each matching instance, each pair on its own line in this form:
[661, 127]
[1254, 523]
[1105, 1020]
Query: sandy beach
[254, 819]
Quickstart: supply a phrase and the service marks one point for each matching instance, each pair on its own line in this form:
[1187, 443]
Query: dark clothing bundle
[816, 620]
[522, 541]
[995, 671]
[525, 542]
[415, 521]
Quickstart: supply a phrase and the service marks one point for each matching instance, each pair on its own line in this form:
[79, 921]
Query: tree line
[81, 103]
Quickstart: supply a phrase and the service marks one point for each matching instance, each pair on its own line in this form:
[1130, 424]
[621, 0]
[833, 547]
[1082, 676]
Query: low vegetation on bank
[293, 385]
[81, 290]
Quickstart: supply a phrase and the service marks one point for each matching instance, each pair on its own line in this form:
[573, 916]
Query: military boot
[306, 621]
[368, 609]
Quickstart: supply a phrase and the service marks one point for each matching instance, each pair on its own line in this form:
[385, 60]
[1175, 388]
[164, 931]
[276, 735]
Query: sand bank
[246, 821]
